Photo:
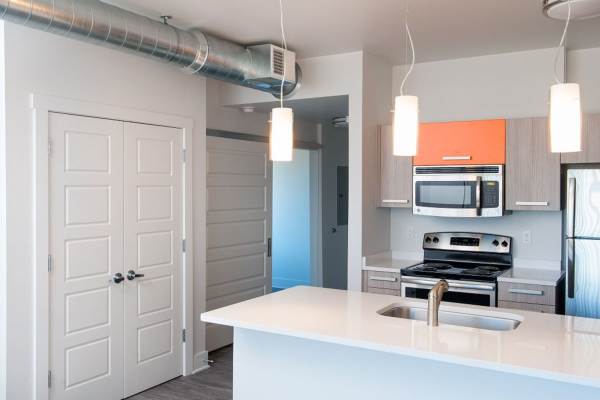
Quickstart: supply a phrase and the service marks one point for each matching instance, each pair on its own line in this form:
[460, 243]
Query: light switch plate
[526, 237]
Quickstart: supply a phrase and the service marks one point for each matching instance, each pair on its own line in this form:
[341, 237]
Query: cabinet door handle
[527, 292]
[395, 201]
[383, 278]
[456, 158]
[532, 203]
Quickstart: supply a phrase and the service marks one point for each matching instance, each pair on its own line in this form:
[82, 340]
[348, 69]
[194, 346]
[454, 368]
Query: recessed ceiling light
[247, 109]
[581, 9]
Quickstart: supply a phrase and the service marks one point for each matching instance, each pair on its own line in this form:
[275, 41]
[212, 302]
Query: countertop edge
[469, 362]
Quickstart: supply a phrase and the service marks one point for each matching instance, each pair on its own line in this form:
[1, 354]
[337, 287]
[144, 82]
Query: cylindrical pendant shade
[406, 125]
[281, 142]
[565, 118]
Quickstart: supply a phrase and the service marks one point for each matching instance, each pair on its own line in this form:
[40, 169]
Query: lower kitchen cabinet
[395, 184]
[531, 297]
[528, 307]
[381, 282]
[532, 171]
[590, 146]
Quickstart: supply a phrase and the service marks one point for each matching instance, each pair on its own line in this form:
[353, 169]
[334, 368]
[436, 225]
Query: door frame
[41, 106]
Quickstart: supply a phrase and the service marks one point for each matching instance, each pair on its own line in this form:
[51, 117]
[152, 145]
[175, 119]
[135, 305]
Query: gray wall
[335, 245]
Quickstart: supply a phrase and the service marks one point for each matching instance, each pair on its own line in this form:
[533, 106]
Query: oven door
[475, 293]
[458, 195]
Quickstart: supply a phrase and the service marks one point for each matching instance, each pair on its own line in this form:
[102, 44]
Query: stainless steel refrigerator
[582, 243]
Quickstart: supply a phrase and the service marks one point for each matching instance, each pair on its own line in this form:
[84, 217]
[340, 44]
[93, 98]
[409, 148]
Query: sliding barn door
[153, 246]
[238, 231]
[86, 243]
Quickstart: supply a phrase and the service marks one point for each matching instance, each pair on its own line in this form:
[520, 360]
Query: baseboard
[200, 362]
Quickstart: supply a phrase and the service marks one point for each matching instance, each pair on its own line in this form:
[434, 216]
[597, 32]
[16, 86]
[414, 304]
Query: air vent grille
[492, 169]
[278, 61]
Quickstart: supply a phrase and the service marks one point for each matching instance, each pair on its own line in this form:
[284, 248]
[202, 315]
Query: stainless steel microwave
[459, 190]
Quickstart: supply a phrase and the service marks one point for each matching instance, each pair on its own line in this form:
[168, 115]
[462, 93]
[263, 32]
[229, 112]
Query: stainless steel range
[470, 262]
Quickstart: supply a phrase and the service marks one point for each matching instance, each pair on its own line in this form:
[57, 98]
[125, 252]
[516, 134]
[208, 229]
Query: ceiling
[318, 109]
[442, 29]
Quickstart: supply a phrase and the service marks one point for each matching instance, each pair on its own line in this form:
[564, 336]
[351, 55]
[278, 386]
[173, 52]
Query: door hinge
[269, 247]
[184, 155]
[49, 378]
[49, 263]
[183, 335]
[183, 246]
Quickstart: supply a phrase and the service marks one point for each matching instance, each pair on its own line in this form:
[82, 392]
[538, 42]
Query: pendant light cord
[412, 63]
[562, 41]
[284, 43]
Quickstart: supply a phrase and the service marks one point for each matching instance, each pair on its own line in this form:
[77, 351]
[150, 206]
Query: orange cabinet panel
[464, 142]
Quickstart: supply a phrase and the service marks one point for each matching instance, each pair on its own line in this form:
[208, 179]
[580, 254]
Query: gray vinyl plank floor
[212, 384]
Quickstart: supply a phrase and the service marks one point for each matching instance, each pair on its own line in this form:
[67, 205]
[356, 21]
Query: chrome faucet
[434, 300]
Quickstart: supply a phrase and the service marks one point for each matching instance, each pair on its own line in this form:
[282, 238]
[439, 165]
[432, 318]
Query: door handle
[456, 158]
[118, 278]
[131, 275]
[478, 196]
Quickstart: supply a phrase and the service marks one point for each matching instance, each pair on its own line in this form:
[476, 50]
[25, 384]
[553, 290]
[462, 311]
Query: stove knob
[496, 243]
[505, 244]
[427, 239]
[436, 240]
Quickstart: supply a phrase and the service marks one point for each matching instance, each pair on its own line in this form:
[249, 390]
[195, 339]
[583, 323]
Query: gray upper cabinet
[395, 174]
[590, 145]
[532, 171]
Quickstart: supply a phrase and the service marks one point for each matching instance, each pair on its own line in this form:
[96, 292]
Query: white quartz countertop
[387, 263]
[545, 346]
[532, 276]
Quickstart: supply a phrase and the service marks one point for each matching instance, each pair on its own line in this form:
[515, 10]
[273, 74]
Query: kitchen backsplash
[536, 235]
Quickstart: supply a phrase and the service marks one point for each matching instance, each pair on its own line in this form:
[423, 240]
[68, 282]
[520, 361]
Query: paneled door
[116, 207]
[153, 242]
[86, 242]
[238, 230]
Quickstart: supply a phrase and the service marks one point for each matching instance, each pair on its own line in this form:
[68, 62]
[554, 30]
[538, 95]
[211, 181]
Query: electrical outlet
[410, 232]
[526, 237]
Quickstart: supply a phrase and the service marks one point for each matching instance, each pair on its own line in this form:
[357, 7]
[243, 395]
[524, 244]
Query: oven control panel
[466, 241]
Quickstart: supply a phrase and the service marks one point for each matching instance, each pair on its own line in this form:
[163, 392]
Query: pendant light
[281, 140]
[406, 111]
[565, 108]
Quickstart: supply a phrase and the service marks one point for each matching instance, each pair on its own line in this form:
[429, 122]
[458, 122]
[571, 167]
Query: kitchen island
[314, 343]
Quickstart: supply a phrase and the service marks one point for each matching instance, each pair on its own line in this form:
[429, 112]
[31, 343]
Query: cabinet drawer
[460, 143]
[543, 308]
[383, 280]
[524, 293]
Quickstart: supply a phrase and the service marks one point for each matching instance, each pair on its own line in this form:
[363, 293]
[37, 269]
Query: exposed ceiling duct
[258, 67]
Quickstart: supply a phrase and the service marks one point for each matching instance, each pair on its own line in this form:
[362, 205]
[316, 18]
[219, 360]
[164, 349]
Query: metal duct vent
[195, 52]
[278, 57]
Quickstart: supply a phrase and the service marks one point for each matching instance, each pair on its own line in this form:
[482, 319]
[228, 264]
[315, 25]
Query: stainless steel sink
[452, 318]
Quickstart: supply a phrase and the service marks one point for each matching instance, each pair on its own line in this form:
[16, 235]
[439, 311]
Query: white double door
[115, 212]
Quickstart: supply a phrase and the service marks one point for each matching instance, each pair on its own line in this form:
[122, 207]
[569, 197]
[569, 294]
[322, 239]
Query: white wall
[508, 85]
[408, 229]
[583, 66]
[41, 63]
[232, 119]
[2, 223]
